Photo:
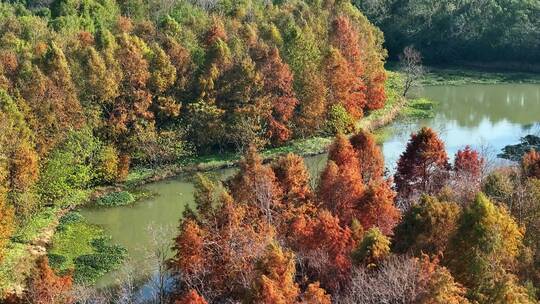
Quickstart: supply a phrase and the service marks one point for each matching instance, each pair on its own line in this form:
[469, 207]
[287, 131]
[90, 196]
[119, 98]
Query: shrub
[69, 218]
[107, 166]
[69, 167]
[56, 260]
[89, 267]
[121, 198]
[339, 120]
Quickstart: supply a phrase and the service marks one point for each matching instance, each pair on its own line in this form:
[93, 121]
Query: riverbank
[467, 75]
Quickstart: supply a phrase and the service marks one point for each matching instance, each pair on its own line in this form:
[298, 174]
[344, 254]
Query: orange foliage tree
[278, 86]
[345, 192]
[342, 84]
[314, 294]
[325, 247]
[531, 164]
[369, 155]
[274, 283]
[256, 184]
[293, 178]
[45, 287]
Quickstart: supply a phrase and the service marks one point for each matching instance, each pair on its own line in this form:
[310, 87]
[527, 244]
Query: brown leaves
[45, 287]
[531, 164]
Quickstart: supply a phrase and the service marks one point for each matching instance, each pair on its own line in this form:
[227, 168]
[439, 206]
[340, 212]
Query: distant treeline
[459, 30]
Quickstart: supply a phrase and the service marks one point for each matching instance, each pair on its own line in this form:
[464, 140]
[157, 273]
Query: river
[487, 117]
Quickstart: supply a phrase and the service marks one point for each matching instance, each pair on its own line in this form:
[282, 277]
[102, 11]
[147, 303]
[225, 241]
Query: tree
[293, 177]
[312, 109]
[7, 225]
[256, 184]
[45, 287]
[376, 208]
[397, 280]
[531, 164]
[485, 246]
[440, 286]
[341, 191]
[314, 294]
[342, 153]
[100, 82]
[422, 168]
[342, 84]
[468, 162]
[275, 277]
[426, 227]
[278, 85]
[410, 62]
[192, 297]
[324, 246]
[19, 164]
[369, 154]
[374, 248]
[189, 247]
[346, 39]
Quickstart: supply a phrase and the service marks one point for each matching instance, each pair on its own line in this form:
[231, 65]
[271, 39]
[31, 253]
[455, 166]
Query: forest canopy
[450, 30]
[91, 88]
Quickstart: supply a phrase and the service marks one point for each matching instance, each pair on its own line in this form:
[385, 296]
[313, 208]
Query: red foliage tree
[369, 155]
[325, 247]
[423, 167]
[293, 179]
[531, 164]
[468, 162]
[278, 85]
[45, 287]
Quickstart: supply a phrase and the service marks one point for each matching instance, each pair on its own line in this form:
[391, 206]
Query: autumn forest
[99, 98]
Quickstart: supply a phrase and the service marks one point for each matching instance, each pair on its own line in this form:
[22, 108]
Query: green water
[497, 115]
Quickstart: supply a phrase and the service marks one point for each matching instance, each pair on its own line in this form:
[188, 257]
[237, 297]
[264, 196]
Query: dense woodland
[447, 31]
[89, 89]
[92, 88]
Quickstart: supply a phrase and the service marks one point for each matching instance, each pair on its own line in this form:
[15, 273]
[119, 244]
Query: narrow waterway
[483, 116]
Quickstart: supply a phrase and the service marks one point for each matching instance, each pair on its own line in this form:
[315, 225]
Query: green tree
[484, 248]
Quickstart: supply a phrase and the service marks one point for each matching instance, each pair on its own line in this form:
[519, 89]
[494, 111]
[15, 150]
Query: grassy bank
[460, 76]
[471, 74]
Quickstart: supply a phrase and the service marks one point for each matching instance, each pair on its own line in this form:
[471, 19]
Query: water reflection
[483, 116]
